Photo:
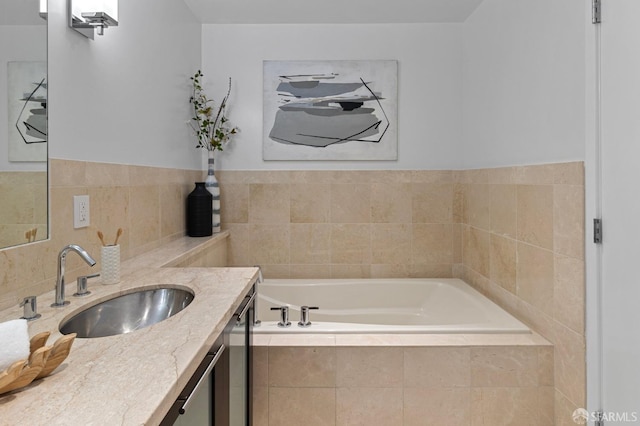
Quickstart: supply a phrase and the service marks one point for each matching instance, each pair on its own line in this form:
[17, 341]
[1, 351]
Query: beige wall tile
[508, 406]
[310, 243]
[66, 172]
[269, 244]
[369, 367]
[535, 275]
[432, 176]
[569, 293]
[457, 242]
[431, 270]
[302, 367]
[234, 203]
[432, 243]
[172, 210]
[390, 271]
[310, 203]
[564, 410]
[391, 176]
[432, 202]
[568, 220]
[545, 366]
[391, 203]
[477, 250]
[502, 175]
[535, 215]
[310, 271]
[350, 203]
[437, 406]
[351, 243]
[459, 199]
[479, 206]
[238, 244]
[276, 271]
[570, 366]
[569, 173]
[260, 406]
[542, 174]
[503, 210]
[390, 243]
[479, 176]
[350, 271]
[437, 367]
[269, 203]
[104, 174]
[503, 262]
[302, 406]
[144, 215]
[504, 366]
[369, 406]
[260, 365]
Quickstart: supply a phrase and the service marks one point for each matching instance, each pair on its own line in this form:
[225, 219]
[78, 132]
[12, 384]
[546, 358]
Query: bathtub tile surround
[515, 233]
[535, 263]
[334, 223]
[404, 380]
[147, 202]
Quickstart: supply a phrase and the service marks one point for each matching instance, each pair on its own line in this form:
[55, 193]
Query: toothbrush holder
[110, 264]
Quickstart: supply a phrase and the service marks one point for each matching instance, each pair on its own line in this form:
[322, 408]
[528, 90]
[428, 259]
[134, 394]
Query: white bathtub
[405, 305]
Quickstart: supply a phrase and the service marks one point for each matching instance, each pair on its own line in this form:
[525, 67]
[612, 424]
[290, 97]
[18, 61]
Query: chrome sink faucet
[62, 256]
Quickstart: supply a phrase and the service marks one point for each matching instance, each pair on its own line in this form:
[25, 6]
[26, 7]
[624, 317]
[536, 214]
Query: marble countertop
[130, 379]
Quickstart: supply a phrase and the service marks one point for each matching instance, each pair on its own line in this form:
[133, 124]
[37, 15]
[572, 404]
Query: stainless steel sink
[127, 313]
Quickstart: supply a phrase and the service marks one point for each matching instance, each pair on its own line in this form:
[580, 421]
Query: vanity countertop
[130, 379]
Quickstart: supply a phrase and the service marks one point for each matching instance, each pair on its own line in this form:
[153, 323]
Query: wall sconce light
[42, 9]
[91, 16]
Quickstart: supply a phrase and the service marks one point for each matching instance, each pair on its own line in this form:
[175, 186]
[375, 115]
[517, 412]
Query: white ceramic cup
[110, 264]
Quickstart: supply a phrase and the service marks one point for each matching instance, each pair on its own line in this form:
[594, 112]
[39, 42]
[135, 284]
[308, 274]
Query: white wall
[32, 46]
[429, 90]
[523, 80]
[123, 97]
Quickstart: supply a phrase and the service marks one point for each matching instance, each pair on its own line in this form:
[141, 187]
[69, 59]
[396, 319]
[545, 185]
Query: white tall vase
[211, 183]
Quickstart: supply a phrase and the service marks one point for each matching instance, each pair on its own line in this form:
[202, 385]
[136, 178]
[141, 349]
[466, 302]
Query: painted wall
[32, 47]
[523, 80]
[429, 90]
[123, 98]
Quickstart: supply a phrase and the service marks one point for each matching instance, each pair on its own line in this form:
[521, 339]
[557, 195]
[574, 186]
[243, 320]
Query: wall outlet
[81, 216]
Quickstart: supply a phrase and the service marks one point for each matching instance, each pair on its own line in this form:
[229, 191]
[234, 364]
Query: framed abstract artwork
[330, 110]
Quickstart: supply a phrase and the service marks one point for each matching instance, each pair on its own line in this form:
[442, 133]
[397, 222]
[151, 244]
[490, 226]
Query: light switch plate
[81, 216]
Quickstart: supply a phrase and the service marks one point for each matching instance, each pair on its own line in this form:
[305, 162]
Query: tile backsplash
[27, 209]
[147, 202]
[514, 233]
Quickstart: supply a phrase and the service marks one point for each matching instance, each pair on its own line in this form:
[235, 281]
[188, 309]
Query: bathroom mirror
[23, 122]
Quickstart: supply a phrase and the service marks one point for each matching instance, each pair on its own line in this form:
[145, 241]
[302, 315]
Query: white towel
[14, 342]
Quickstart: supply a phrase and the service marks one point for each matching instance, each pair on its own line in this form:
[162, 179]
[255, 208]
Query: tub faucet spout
[62, 257]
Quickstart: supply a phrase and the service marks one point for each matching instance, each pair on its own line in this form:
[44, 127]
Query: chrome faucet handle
[82, 285]
[284, 315]
[30, 305]
[305, 321]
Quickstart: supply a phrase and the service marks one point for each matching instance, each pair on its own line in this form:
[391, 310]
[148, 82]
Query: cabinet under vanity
[219, 392]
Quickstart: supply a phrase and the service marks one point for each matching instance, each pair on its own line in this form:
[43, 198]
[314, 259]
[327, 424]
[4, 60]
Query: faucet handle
[30, 305]
[82, 285]
[284, 315]
[305, 321]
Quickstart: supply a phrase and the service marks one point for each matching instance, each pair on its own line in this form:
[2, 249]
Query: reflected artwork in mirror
[23, 122]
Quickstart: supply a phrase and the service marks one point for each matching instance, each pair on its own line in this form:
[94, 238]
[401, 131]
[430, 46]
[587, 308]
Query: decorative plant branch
[212, 129]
